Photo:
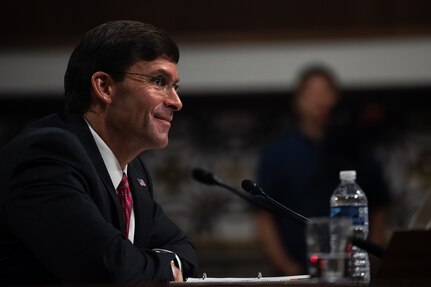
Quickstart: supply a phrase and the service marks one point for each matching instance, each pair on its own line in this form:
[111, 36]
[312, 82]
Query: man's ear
[101, 84]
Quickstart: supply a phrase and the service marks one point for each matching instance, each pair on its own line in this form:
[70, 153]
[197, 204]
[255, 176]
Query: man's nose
[173, 101]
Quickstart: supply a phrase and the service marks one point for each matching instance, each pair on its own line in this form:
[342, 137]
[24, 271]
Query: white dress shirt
[116, 175]
[114, 170]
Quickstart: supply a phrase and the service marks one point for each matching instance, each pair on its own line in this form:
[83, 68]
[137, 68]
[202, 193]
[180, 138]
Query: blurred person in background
[301, 170]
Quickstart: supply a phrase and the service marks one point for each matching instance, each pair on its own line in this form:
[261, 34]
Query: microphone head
[251, 187]
[204, 176]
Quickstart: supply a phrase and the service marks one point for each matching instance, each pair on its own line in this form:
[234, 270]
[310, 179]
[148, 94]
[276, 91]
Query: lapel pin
[141, 182]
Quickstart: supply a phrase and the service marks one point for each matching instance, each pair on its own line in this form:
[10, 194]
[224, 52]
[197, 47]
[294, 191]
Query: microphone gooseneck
[253, 188]
[368, 246]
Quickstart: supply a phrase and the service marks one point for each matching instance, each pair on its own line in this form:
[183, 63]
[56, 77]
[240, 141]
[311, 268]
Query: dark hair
[316, 70]
[112, 48]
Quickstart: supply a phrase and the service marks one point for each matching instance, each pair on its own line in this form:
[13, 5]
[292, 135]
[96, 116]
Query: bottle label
[358, 213]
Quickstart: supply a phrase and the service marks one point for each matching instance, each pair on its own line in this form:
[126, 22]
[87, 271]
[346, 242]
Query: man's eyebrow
[165, 73]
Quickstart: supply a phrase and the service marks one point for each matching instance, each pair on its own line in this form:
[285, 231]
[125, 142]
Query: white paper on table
[249, 280]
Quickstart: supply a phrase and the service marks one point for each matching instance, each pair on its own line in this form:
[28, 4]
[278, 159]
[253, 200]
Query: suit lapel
[77, 125]
[141, 204]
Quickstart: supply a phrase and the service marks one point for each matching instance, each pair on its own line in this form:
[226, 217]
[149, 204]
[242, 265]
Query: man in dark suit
[76, 202]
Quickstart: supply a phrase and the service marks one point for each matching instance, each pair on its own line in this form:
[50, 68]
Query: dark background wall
[41, 23]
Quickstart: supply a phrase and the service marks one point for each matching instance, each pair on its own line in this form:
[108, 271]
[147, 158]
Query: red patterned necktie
[125, 197]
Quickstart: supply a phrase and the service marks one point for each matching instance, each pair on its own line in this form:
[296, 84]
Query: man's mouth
[165, 118]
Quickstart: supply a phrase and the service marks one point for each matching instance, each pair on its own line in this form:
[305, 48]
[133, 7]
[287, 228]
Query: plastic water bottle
[348, 200]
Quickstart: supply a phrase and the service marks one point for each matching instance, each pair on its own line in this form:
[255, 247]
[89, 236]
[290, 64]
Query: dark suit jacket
[60, 218]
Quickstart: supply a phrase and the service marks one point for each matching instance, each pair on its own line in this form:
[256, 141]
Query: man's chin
[161, 143]
[155, 139]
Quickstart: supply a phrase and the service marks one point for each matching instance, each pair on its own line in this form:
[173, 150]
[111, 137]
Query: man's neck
[313, 131]
[120, 148]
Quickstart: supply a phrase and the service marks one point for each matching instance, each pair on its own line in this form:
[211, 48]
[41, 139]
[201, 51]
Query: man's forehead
[160, 63]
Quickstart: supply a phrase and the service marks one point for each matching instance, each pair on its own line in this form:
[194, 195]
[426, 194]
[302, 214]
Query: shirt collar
[111, 162]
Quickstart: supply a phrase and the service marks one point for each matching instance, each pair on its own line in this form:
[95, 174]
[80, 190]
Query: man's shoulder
[56, 120]
[52, 120]
[47, 134]
[49, 127]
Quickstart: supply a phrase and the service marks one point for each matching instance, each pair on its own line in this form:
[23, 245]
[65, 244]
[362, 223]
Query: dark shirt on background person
[303, 174]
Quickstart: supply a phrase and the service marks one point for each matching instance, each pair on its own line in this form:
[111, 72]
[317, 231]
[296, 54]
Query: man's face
[142, 110]
[316, 100]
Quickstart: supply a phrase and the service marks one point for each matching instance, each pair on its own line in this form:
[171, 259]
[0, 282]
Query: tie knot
[124, 183]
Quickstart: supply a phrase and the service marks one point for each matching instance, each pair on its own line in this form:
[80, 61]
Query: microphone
[205, 177]
[208, 178]
[253, 188]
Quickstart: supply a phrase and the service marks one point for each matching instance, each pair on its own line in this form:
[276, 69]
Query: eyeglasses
[160, 82]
